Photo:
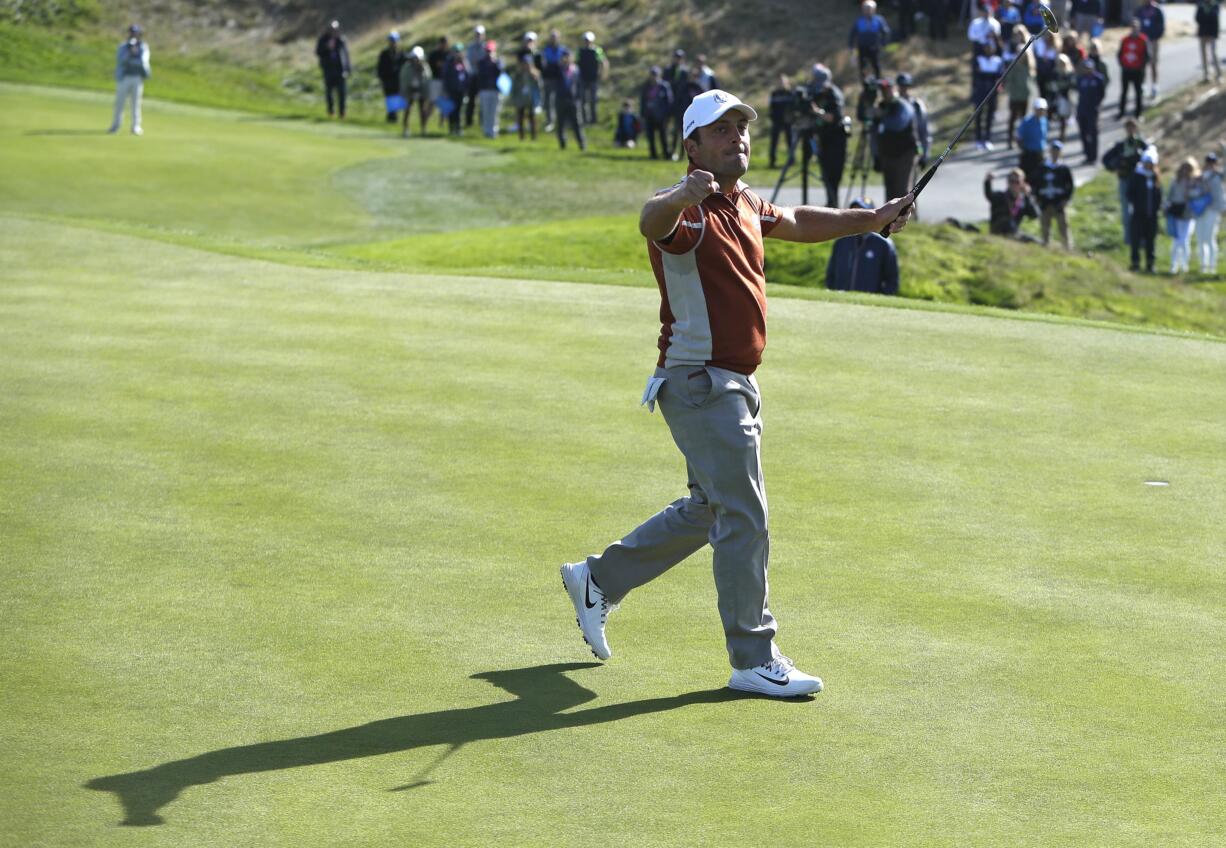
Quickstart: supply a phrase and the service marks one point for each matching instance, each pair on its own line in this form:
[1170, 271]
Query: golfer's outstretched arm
[821, 223]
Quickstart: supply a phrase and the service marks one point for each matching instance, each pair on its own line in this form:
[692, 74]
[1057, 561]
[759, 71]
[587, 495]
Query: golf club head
[1049, 18]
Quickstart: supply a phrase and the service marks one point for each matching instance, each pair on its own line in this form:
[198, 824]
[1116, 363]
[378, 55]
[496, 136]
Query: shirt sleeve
[768, 213]
[688, 232]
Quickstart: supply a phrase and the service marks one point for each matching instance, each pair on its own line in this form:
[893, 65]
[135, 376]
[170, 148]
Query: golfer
[705, 244]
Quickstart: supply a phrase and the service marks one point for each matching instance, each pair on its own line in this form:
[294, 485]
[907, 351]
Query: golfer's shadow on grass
[542, 693]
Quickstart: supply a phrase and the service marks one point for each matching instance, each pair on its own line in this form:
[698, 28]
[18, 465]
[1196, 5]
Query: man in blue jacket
[1091, 89]
[1086, 15]
[1153, 27]
[868, 35]
[656, 107]
[131, 71]
[864, 263]
[1032, 139]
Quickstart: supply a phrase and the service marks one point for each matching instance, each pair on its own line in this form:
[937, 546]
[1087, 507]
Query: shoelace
[781, 666]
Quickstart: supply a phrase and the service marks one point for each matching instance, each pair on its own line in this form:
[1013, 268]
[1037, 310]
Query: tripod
[859, 166]
[806, 156]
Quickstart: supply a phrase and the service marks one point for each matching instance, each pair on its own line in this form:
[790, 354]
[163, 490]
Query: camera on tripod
[866, 106]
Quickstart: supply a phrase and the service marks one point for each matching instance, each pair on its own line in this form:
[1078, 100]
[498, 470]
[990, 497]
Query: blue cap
[1057, 144]
[904, 79]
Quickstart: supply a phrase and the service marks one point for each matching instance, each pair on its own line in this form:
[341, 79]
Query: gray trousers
[715, 419]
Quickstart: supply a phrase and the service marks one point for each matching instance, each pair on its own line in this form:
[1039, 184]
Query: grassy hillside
[280, 552]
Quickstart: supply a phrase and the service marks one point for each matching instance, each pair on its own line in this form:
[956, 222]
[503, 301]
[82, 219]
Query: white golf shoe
[592, 608]
[778, 679]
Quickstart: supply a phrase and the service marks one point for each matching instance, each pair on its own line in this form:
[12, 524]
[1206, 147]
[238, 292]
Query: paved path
[957, 190]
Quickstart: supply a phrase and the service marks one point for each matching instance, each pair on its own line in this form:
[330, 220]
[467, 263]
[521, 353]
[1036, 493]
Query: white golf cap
[709, 107]
[589, 36]
[1040, 103]
[417, 52]
[1150, 155]
[530, 35]
[479, 29]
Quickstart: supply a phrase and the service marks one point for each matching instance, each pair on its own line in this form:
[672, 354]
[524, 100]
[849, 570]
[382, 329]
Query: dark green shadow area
[542, 693]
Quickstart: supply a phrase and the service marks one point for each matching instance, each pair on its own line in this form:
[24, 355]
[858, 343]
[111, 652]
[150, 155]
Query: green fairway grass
[275, 539]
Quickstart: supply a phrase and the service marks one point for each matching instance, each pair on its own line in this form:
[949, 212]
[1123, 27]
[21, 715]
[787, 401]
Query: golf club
[1050, 24]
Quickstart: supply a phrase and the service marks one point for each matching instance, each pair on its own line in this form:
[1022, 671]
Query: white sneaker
[592, 608]
[778, 679]
[137, 131]
[989, 146]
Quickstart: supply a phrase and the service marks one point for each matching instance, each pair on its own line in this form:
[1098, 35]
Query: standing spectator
[131, 71]
[906, 91]
[1123, 158]
[1210, 214]
[1032, 17]
[628, 126]
[702, 78]
[1153, 26]
[656, 107]
[1046, 52]
[525, 93]
[415, 79]
[906, 19]
[1095, 54]
[592, 66]
[489, 69]
[677, 75]
[455, 86]
[473, 55]
[437, 59]
[1184, 187]
[1062, 84]
[1011, 206]
[566, 101]
[781, 115]
[551, 72]
[1019, 84]
[1010, 15]
[869, 34]
[831, 133]
[333, 55]
[866, 263]
[938, 19]
[1091, 90]
[1134, 55]
[983, 30]
[895, 141]
[1207, 31]
[986, 68]
[527, 47]
[1069, 47]
[1145, 204]
[388, 71]
[1055, 189]
[1087, 16]
[1032, 139]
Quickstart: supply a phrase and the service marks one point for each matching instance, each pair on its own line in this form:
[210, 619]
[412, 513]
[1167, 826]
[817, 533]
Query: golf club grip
[916, 189]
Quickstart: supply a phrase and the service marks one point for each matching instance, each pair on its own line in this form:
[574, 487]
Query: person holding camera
[894, 141]
[906, 91]
[131, 71]
[830, 130]
[781, 116]
[1011, 206]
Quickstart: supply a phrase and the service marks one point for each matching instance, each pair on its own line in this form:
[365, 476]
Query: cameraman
[895, 141]
[830, 130]
[131, 71]
[781, 115]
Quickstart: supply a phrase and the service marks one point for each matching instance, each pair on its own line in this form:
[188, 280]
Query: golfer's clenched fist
[695, 188]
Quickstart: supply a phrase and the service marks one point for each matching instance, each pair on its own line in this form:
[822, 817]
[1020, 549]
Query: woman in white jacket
[1207, 219]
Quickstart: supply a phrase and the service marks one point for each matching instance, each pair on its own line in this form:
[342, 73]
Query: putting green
[276, 539]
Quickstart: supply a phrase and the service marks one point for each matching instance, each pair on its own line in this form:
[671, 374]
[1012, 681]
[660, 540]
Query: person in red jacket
[1134, 55]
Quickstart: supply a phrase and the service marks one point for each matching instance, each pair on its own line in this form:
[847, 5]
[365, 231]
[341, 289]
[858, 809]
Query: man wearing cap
[1054, 188]
[551, 71]
[894, 141]
[906, 92]
[677, 75]
[489, 69]
[1123, 158]
[705, 245]
[831, 131]
[333, 55]
[473, 54]
[1032, 139]
[781, 108]
[868, 37]
[866, 262]
[1145, 202]
[131, 71]
[415, 82]
[1091, 90]
[437, 60]
[592, 66]
[391, 59]
[656, 107]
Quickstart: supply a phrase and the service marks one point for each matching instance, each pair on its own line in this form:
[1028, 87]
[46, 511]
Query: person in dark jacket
[869, 35]
[391, 59]
[863, 263]
[628, 126]
[1011, 206]
[593, 65]
[1207, 28]
[1087, 15]
[938, 18]
[895, 141]
[1153, 27]
[455, 86]
[1145, 202]
[333, 55]
[566, 100]
[987, 67]
[437, 59]
[831, 133]
[551, 63]
[1091, 89]
[677, 75]
[1123, 158]
[781, 116]
[656, 107]
[1054, 188]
